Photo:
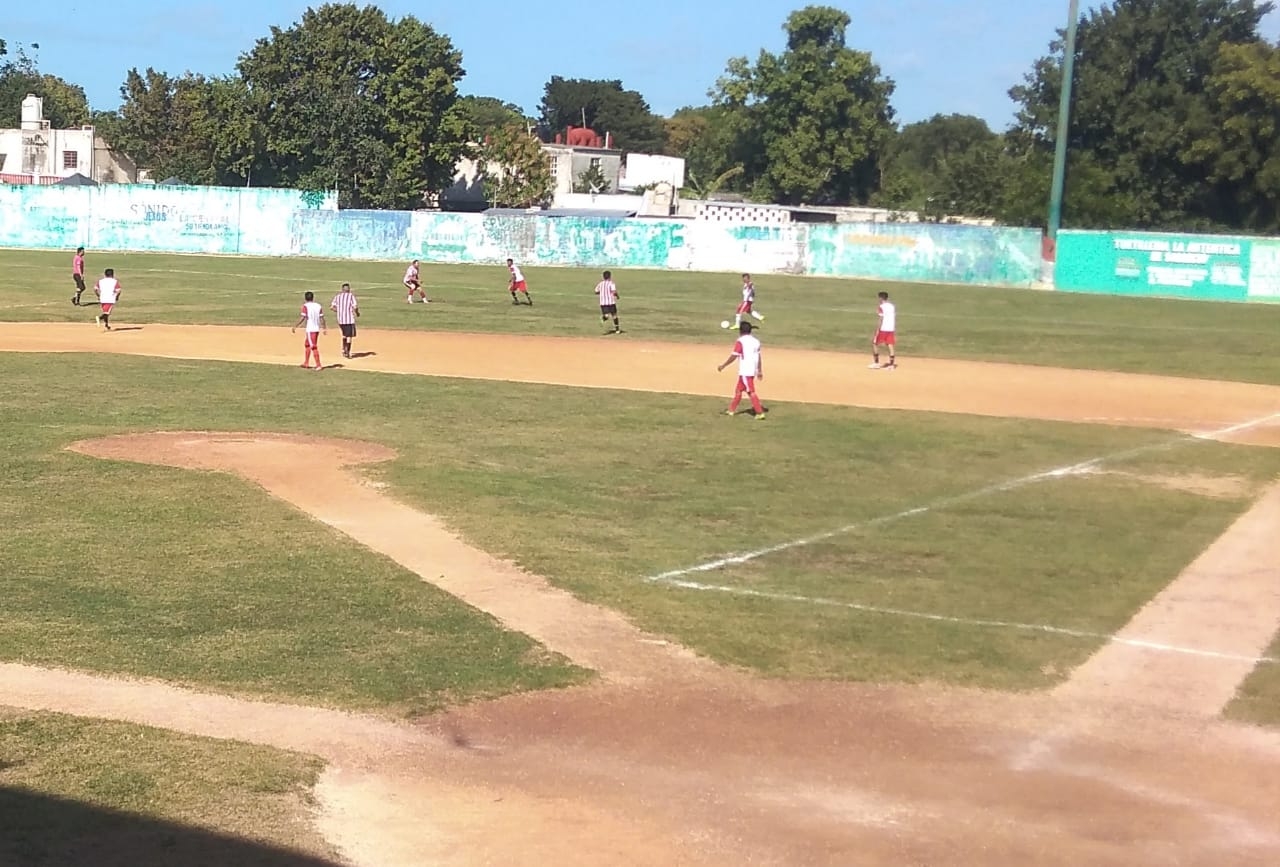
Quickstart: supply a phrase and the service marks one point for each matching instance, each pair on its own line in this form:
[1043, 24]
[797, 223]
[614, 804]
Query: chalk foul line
[676, 577]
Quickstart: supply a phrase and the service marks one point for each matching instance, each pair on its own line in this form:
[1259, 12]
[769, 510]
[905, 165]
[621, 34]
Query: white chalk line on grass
[675, 577]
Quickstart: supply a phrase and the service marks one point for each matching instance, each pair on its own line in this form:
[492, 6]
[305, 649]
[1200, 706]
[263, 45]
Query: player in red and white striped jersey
[607, 292]
[347, 308]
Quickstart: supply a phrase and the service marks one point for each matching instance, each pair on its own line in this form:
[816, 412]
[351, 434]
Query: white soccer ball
[724, 323]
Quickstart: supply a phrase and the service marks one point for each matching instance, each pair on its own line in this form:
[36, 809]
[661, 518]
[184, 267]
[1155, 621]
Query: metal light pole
[1064, 125]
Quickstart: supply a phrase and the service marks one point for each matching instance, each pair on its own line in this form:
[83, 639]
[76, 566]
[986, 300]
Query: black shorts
[79, 282]
[608, 309]
[348, 329]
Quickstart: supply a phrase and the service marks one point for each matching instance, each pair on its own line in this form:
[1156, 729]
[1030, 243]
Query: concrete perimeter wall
[253, 221]
[1206, 267]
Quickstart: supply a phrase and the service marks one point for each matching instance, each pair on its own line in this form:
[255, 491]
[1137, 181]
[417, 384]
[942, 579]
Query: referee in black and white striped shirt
[348, 309]
[607, 291]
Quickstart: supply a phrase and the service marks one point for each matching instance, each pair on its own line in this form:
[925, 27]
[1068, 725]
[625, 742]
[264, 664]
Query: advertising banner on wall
[1208, 267]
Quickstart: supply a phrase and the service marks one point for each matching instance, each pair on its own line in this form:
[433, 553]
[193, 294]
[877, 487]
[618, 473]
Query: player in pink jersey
[750, 358]
[313, 318]
[517, 283]
[77, 275]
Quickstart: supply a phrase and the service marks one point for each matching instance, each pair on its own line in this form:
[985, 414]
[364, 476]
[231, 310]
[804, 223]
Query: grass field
[1181, 338]
[204, 580]
[75, 791]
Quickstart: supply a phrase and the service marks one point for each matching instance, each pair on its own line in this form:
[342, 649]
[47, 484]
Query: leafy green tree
[947, 165]
[65, 104]
[349, 99]
[706, 138]
[200, 130]
[811, 122]
[607, 107]
[487, 114]
[1143, 108]
[514, 170]
[1243, 150]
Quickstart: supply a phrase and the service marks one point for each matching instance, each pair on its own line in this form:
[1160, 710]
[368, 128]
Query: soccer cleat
[892, 365]
[761, 416]
[875, 365]
[730, 412]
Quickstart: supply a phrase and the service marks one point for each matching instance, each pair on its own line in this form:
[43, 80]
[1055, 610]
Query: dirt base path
[1228, 600]
[325, 488]
[722, 768]
[975, 388]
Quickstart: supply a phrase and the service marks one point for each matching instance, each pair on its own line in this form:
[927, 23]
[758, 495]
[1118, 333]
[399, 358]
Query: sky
[944, 56]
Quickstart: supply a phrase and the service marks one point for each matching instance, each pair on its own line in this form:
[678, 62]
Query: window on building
[595, 162]
[70, 160]
[553, 163]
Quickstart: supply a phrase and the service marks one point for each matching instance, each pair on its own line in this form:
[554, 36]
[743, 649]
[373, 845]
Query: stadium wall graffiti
[267, 222]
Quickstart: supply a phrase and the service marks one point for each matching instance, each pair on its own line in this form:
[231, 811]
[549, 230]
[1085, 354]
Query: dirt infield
[672, 760]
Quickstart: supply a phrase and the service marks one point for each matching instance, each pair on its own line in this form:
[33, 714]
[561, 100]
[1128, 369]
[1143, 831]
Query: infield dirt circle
[669, 759]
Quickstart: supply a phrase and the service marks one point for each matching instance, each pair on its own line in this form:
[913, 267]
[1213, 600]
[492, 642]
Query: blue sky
[944, 55]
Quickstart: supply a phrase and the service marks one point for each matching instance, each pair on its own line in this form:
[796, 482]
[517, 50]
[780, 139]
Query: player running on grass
[747, 307]
[750, 360]
[414, 284]
[313, 318]
[607, 293]
[518, 283]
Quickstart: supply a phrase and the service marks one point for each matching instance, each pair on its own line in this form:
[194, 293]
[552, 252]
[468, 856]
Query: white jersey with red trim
[108, 290]
[888, 316]
[314, 314]
[748, 352]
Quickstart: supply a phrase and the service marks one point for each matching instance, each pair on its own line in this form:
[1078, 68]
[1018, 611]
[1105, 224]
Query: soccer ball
[724, 323]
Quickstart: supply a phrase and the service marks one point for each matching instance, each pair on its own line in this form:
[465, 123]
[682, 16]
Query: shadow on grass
[43, 831]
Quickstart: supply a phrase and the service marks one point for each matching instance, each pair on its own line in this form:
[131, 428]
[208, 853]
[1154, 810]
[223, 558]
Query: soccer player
[748, 301]
[886, 327]
[518, 283]
[347, 308]
[108, 291]
[313, 318]
[607, 292]
[413, 284]
[750, 360]
[77, 275]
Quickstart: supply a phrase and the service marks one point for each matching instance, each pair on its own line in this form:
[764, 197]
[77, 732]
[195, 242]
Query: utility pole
[1064, 125]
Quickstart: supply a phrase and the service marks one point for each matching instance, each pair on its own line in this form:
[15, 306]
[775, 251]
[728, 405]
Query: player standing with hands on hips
[313, 318]
[886, 335]
[750, 360]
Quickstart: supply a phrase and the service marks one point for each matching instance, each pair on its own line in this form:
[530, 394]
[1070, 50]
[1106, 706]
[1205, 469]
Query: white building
[37, 154]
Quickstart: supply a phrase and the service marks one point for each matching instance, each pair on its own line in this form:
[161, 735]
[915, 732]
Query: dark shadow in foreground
[43, 831]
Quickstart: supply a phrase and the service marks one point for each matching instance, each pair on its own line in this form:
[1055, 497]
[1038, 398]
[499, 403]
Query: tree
[65, 104]
[592, 181]
[706, 139]
[1142, 107]
[200, 130]
[514, 170]
[947, 165]
[347, 98]
[607, 108]
[1243, 152]
[487, 114]
[813, 120]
